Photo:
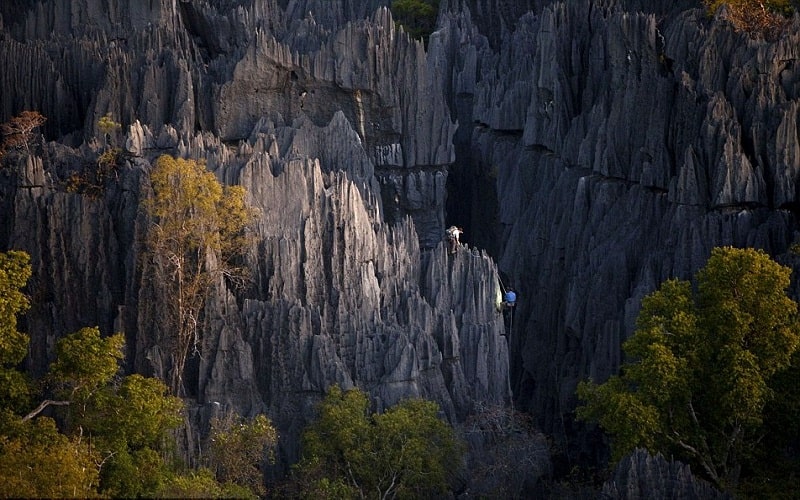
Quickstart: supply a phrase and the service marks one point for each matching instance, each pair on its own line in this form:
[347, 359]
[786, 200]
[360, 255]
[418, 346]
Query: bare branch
[42, 406]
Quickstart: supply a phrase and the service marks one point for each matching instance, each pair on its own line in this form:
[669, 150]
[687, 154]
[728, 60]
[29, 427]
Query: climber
[453, 233]
[510, 299]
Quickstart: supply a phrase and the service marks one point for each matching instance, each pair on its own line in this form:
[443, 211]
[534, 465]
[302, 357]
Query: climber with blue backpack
[509, 299]
[506, 303]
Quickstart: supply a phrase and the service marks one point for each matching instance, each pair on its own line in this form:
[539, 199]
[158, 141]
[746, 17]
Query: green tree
[37, 461]
[15, 270]
[406, 452]
[198, 229]
[86, 362]
[108, 127]
[130, 424]
[418, 17]
[115, 435]
[238, 449]
[701, 366]
[128, 420]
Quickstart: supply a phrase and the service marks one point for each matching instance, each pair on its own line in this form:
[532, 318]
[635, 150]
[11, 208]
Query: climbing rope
[502, 285]
[510, 327]
[511, 312]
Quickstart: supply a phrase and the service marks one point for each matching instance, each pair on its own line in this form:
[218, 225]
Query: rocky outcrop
[624, 146]
[641, 475]
[340, 133]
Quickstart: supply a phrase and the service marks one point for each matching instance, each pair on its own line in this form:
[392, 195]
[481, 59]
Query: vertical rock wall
[320, 118]
[625, 145]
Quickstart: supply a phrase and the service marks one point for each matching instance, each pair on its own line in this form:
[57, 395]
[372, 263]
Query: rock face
[594, 149]
[339, 130]
[624, 146]
[639, 475]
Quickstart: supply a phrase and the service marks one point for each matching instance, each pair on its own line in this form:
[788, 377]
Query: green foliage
[115, 434]
[128, 420]
[238, 449]
[198, 229]
[200, 484]
[407, 452]
[108, 127]
[702, 367]
[15, 270]
[135, 474]
[418, 17]
[774, 471]
[143, 412]
[36, 461]
[85, 361]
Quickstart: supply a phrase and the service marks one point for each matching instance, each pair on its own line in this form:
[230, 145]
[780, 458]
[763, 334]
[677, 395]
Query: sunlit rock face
[336, 124]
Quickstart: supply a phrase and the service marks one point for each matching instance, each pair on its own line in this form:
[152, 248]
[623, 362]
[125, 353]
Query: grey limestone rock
[315, 115]
[641, 475]
[624, 146]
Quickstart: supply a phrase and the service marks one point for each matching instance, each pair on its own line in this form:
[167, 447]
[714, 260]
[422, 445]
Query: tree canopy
[405, 452]
[701, 366]
[418, 17]
[238, 448]
[15, 270]
[198, 229]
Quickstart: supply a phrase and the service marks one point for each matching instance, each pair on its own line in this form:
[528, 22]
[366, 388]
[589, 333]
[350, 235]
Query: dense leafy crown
[702, 366]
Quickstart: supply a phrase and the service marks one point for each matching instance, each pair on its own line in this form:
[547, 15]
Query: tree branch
[41, 407]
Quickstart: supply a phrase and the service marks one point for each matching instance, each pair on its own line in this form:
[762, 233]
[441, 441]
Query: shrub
[754, 17]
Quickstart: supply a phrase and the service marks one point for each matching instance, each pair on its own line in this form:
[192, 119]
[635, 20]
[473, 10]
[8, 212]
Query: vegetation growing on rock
[418, 17]
[198, 229]
[18, 131]
[405, 452]
[705, 368]
[105, 434]
[765, 18]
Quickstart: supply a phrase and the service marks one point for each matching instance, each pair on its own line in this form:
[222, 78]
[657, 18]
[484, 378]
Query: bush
[754, 17]
[418, 17]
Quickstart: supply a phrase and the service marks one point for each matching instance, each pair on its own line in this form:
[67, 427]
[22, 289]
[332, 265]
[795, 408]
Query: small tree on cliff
[756, 17]
[239, 448]
[198, 229]
[702, 366]
[18, 131]
[406, 452]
